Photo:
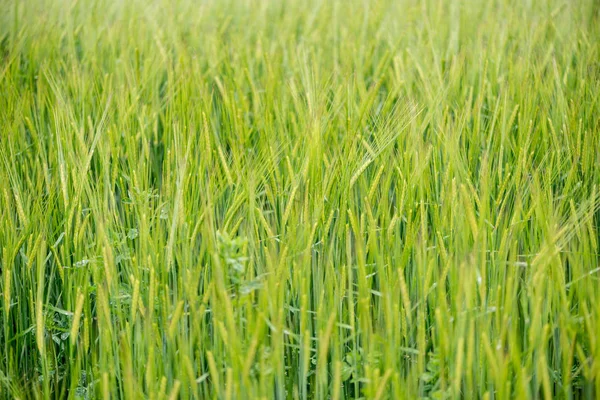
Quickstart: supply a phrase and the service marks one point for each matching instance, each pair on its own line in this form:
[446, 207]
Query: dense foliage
[299, 199]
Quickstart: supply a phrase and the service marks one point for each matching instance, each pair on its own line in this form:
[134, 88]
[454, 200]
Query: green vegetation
[307, 199]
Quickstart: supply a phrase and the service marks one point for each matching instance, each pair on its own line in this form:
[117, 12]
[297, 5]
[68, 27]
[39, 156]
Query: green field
[299, 199]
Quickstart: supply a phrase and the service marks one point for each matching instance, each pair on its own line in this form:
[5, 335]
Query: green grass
[246, 199]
